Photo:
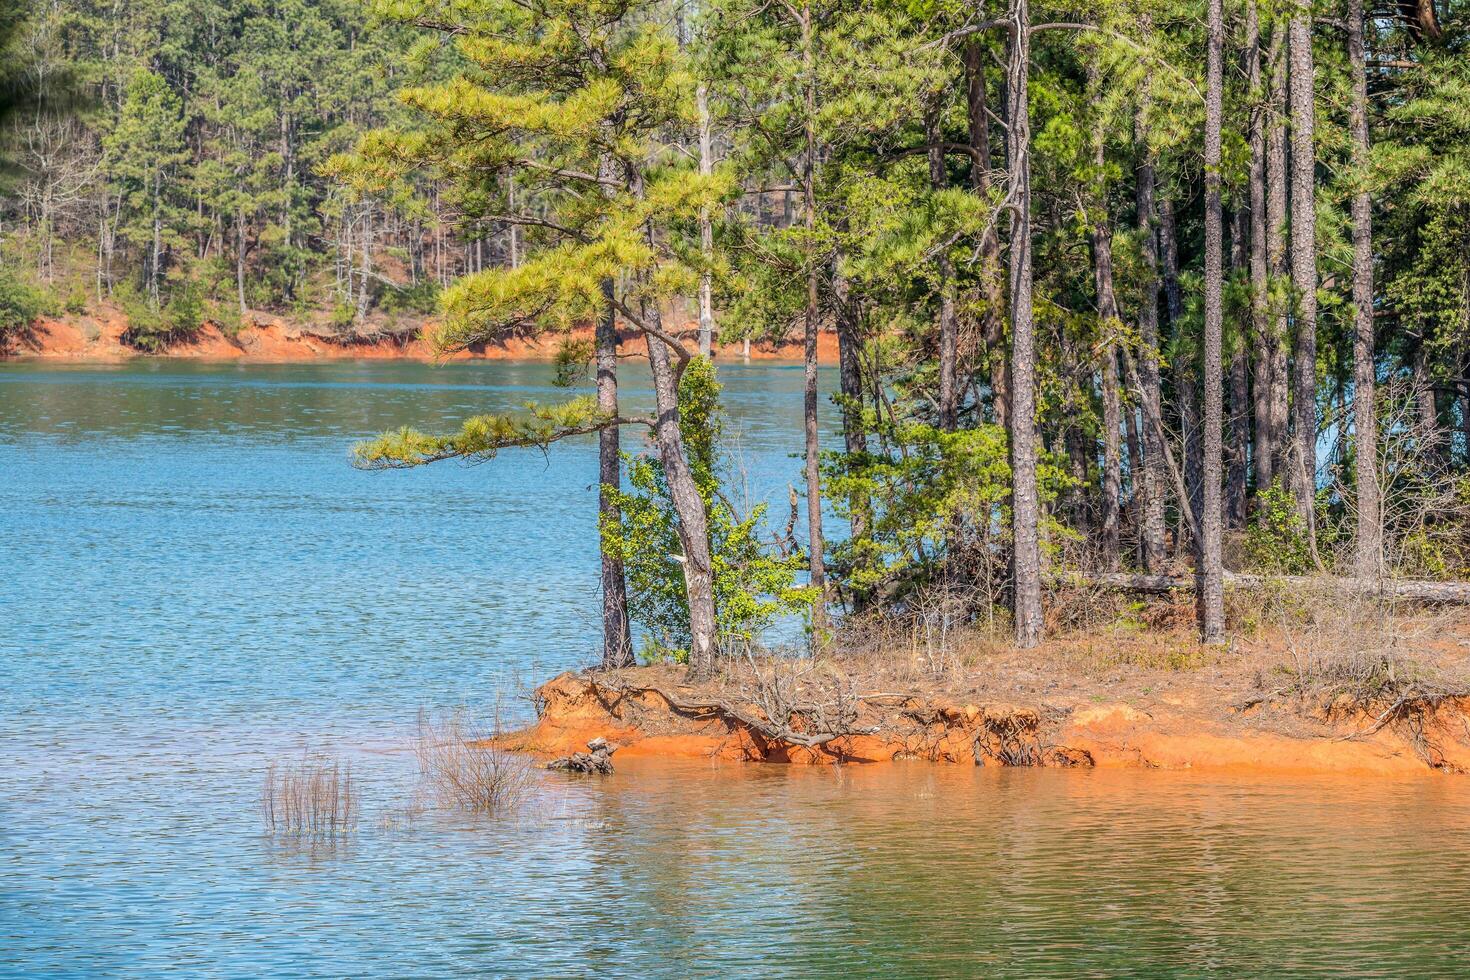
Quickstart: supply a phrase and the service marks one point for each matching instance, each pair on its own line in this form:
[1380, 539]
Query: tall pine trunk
[706, 230]
[1238, 404]
[1368, 541]
[240, 259]
[1276, 261]
[815, 545]
[1107, 313]
[850, 382]
[949, 388]
[1152, 533]
[1264, 448]
[1025, 498]
[992, 286]
[1304, 266]
[1209, 574]
[617, 646]
[1186, 369]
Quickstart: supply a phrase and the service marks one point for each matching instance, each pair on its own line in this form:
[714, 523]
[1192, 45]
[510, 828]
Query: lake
[196, 583]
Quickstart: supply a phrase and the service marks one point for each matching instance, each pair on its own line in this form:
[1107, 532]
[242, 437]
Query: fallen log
[1436, 593]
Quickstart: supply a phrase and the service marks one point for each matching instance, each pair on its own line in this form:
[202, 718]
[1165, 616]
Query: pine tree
[568, 99]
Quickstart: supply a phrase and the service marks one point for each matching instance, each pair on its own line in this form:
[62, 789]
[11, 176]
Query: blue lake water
[195, 582]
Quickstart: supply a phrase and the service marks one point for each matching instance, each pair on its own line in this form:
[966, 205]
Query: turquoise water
[195, 582]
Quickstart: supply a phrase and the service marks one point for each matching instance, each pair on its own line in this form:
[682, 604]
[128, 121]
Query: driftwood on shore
[597, 759]
[1439, 593]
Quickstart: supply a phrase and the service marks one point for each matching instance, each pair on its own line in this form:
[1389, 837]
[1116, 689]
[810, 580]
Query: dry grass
[316, 796]
[461, 768]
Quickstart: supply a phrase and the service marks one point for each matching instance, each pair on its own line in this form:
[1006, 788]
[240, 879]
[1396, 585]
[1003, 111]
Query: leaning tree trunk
[1210, 573]
[1304, 266]
[948, 327]
[1025, 499]
[617, 646]
[1368, 542]
[688, 505]
[815, 545]
[1151, 536]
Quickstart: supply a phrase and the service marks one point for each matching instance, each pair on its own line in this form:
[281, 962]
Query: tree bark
[948, 327]
[815, 543]
[1264, 448]
[364, 293]
[1209, 574]
[1238, 407]
[1424, 397]
[1276, 262]
[850, 382]
[617, 646]
[1186, 368]
[1108, 319]
[240, 259]
[1304, 265]
[992, 316]
[1151, 536]
[1025, 499]
[688, 505]
[618, 650]
[706, 230]
[1368, 540]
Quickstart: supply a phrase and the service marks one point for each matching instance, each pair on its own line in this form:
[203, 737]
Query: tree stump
[597, 759]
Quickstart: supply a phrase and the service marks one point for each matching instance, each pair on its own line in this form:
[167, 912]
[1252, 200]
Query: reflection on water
[196, 582]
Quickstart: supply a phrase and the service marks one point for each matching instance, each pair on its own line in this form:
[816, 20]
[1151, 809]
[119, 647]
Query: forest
[1150, 293]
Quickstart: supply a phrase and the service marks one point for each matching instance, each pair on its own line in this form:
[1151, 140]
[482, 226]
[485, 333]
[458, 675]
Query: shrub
[316, 796]
[342, 318]
[76, 300]
[422, 298]
[934, 506]
[461, 768]
[20, 306]
[1277, 542]
[179, 319]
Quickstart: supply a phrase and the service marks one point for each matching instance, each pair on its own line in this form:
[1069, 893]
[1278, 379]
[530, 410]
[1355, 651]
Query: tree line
[167, 157]
[1139, 285]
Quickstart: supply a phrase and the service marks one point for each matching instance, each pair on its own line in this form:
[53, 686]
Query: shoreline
[273, 340]
[653, 712]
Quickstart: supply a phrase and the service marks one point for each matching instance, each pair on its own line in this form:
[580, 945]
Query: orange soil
[631, 709]
[268, 339]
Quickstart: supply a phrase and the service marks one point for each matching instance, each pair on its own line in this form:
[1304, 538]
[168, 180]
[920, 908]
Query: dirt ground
[1308, 684]
[265, 338]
